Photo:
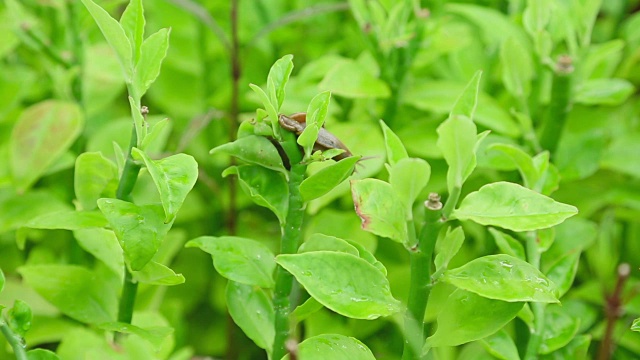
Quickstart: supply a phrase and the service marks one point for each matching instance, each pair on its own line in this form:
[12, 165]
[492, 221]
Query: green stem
[559, 107]
[127, 182]
[14, 340]
[291, 234]
[533, 256]
[451, 202]
[421, 258]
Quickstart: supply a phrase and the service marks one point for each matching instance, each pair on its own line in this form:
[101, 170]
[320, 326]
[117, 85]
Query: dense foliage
[465, 183]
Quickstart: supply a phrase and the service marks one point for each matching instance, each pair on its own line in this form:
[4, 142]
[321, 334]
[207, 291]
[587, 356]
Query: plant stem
[289, 244]
[559, 107]
[613, 310]
[127, 182]
[233, 111]
[14, 340]
[451, 202]
[421, 258]
[533, 256]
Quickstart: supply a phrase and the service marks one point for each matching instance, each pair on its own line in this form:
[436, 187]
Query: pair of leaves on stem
[349, 281]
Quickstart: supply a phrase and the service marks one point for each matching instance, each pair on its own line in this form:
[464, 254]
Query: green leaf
[408, 177]
[380, 209]
[95, 177]
[253, 149]
[559, 329]
[327, 178]
[239, 259]
[395, 149]
[17, 210]
[636, 325]
[466, 103]
[440, 96]
[157, 274]
[265, 187]
[321, 242]
[174, 177]
[517, 68]
[512, 207]
[447, 247]
[115, 35]
[351, 80]
[138, 121]
[466, 317]
[132, 22]
[32, 147]
[333, 346]
[503, 277]
[343, 283]
[621, 156]
[153, 51]
[501, 346]
[523, 161]
[316, 114]
[156, 136]
[458, 140]
[156, 335]
[604, 92]
[268, 106]
[2, 280]
[577, 349]
[251, 309]
[41, 354]
[68, 220]
[103, 244]
[508, 245]
[140, 229]
[368, 257]
[564, 271]
[537, 15]
[277, 80]
[19, 317]
[76, 291]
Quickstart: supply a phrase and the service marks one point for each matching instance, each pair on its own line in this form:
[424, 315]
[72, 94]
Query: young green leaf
[68, 220]
[309, 307]
[174, 177]
[512, 207]
[343, 283]
[132, 22]
[239, 259]
[328, 178]
[76, 291]
[351, 80]
[564, 271]
[115, 35]
[157, 274]
[153, 51]
[560, 327]
[32, 147]
[2, 280]
[316, 114]
[458, 139]
[517, 68]
[604, 92]
[277, 80]
[41, 354]
[321, 242]
[395, 149]
[103, 244]
[501, 346]
[333, 346]
[265, 187]
[508, 245]
[138, 120]
[251, 309]
[19, 209]
[95, 177]
[380, 209]
[636, 325]
[503, 277]
[523, 161]
[19, 317]
[408, 177]
[156, 135]
[271, 110]
[466, 103]
[254, 150]
[466, 317]
[155, 335]
[447, 247]
[140, 229]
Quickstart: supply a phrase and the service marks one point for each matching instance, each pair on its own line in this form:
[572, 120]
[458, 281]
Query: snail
[297, 122]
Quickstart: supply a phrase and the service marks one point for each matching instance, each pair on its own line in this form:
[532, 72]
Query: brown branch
[613, 310]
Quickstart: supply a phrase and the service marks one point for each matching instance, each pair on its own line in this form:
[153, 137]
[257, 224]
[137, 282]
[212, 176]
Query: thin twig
[613, 310]
[299, 15]
[201, 13]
